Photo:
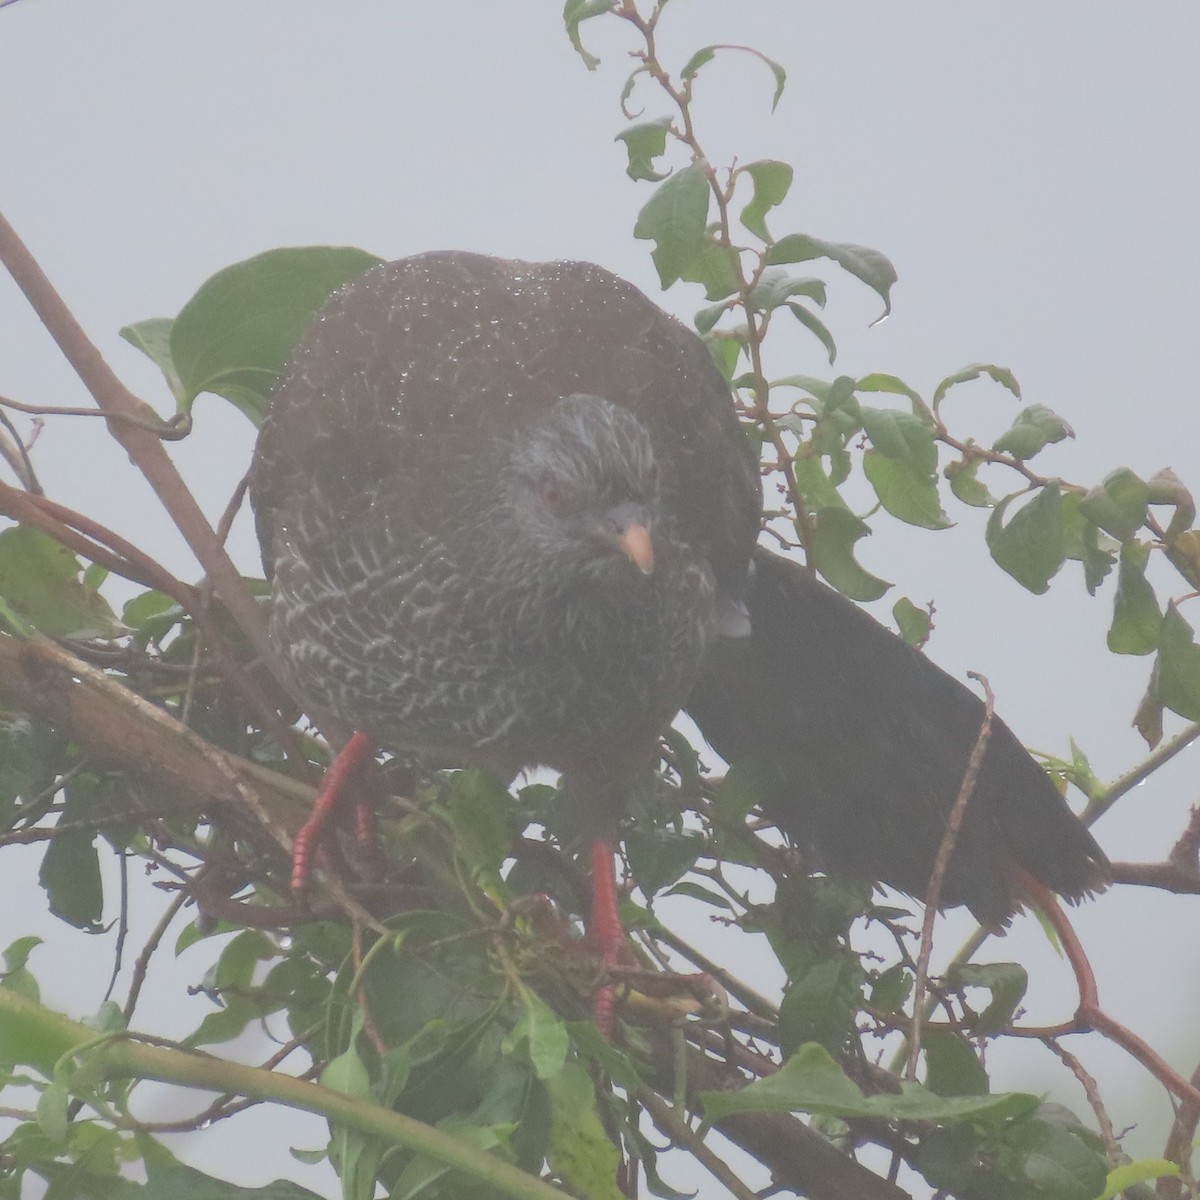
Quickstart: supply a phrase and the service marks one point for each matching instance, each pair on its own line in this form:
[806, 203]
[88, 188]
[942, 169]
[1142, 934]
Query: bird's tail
[864, 743]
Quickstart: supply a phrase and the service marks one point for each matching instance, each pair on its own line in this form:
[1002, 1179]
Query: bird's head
[584, 480]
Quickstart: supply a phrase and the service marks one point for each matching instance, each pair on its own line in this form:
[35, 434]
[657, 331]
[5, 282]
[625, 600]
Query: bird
[511, 519]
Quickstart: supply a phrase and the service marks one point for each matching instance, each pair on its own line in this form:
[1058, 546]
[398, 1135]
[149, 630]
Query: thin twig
[142, 962]
[1126, 783]
[170, 430]
[670, 1123]
[945, 849]
[1092, 1090]
[16, 454]
[122, 923]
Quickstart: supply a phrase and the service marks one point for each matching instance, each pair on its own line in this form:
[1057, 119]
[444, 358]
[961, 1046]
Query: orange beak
[634, 542]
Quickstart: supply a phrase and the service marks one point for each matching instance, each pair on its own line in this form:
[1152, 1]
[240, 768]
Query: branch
[101, 545]
[934, 893]
[47, 1039]
[145, 449]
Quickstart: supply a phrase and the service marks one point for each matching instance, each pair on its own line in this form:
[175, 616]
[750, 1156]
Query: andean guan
[510, 518]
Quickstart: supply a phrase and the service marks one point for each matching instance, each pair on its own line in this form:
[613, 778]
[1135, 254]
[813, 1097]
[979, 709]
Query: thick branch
[144, 448]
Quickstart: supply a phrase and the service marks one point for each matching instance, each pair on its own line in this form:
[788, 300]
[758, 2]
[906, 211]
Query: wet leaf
[1137, 617]
[811, 1081]
[914, 623]
[862, 262]
[772, 181]
[674, 219]
[235, 334]
[964, 483]
[41, 580]
[1006, 982]
[644, 143]
[1117, 504]
[836, 530]
[575, 12]
[1032, 546]
[952, 1066]
[1035, 428]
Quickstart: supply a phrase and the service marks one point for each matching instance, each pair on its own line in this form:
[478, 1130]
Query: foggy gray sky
[1030, 169]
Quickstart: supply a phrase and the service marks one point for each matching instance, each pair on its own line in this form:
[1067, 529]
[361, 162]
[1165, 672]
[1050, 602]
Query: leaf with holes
[1032, 546]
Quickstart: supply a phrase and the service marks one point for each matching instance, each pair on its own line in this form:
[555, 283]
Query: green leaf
[659, 857]
[1086, 544]
[1035, 1157]
[674, 219]
[1032, 546]
[52, 1108]
[811, 1081]
[17, 953]
[892, 385]
[40, 580]
[1006, 982]
[644, 143]
[1002, 375]
[1165, 487]
[580, 1151]
[1176, 677]
[692, 67]
[177, 1182]
[70, 871]
[771, 180]
[744, 786]
[477, 804]
[1035, 428]
[29, 755]
[777, 287]
[356, 1154]
[835, 532]
[906, 493]
[890, 990]
[915, 624]
[815, 326]
[952, 1066]
[1057, 1162]
[239, 960]
[1137, 617]
[706, 319]
[902, 436]
[815, 485]
[424, 1170]
[821, 1003]
[1118, 504]
[860, 261]
[235, 334]
[964, 483]
[575, 12]
[544, 1033]
[695, 892]
[153, 338]
[1140, 1171]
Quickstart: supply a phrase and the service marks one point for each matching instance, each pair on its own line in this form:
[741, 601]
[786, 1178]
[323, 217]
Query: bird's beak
[634, 542]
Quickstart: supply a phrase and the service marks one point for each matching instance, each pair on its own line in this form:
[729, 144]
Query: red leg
[606, 930]
[354, 752]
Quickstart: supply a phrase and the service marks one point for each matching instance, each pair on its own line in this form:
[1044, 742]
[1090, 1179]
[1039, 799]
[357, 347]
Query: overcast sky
[1030, 169]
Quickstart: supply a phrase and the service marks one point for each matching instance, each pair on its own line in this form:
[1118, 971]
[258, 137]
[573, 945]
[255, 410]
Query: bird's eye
[551, 496]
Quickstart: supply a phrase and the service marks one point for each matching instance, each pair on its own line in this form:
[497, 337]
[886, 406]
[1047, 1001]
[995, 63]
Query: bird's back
[375, 489]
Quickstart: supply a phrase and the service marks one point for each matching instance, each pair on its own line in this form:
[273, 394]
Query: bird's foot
[355, 752]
